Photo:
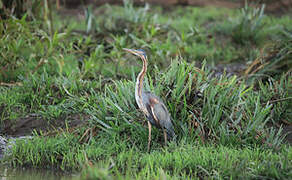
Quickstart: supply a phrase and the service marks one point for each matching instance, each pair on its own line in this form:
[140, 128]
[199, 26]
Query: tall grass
[86, 73]
[227, 113]
[115, 157]
[250, 25]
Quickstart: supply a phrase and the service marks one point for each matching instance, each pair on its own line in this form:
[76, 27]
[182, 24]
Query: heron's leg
[165, 136]
[149, 135]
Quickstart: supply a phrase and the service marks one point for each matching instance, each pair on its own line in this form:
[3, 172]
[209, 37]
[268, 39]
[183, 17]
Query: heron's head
[139, 52]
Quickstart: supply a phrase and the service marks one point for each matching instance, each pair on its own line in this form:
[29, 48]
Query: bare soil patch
[288, 131]
[30, 123]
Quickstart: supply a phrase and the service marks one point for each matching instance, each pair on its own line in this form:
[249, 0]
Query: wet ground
[7, 173]
[24, 126]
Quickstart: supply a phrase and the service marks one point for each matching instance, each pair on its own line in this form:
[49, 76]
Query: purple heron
[151, 105]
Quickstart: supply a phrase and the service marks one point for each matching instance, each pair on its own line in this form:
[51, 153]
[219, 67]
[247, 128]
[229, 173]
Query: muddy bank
[23, 128]
[34, 123]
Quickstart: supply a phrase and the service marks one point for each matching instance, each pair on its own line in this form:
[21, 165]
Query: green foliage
[229, 112]
[25, 50]
[249, 26]
[133, 15]
[81, 69]
[275, 62]
[19, 8]
[112, 156]
[105, 37]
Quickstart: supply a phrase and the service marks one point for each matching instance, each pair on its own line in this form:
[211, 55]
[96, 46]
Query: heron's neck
[139, 84]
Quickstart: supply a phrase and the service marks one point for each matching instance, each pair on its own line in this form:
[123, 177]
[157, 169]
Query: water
[7, 173]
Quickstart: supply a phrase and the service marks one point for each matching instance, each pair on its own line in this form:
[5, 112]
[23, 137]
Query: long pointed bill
[133, 51]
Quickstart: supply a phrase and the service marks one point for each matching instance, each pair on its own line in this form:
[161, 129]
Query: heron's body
[158, 114]
[151, 105]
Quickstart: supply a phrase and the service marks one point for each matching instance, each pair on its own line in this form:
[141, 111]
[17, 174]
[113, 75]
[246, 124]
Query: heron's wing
[158, 113]
[156, 108]
[161, 115]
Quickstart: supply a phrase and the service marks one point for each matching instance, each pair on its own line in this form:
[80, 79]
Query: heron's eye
[142, 51]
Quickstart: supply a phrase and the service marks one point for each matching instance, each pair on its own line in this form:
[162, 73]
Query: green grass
[82, 70]
[115, 156]
[229, 115]
[228, 107]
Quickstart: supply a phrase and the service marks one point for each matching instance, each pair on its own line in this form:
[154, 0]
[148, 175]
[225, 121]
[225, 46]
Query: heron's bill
[133, 51]
[126, 49]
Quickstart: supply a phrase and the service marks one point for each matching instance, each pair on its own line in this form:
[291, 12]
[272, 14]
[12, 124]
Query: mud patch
[30, 123]
[230, 69]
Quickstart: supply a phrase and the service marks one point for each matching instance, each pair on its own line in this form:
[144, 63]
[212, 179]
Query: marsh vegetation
[224, 74]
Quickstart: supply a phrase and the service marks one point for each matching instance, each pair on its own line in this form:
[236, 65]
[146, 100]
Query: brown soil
[287, 130]
[28, 124]
[33, 123]
[230, 69]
